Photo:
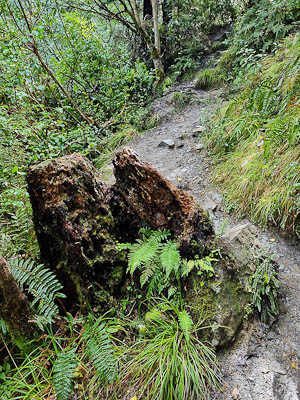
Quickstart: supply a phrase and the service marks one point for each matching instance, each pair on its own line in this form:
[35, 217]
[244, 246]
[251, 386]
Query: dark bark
[14, 306]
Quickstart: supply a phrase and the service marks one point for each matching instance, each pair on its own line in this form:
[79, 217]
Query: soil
[264, 362]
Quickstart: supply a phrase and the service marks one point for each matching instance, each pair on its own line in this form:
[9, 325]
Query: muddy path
[264, 362]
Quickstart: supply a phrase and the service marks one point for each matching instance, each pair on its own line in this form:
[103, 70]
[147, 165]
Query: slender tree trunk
[156, 53]
[14, 305]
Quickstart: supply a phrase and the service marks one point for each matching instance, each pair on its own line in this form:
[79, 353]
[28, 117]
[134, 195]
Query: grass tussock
[210, 78]
[256, 142]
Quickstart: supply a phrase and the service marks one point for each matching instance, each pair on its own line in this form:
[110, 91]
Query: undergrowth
[255, 141]
[169, 361]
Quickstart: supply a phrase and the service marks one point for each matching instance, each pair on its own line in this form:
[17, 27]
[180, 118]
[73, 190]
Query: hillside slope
[255, 140]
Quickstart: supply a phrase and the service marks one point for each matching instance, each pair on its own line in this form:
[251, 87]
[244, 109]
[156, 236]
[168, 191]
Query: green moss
[116, 276]
[224, 304]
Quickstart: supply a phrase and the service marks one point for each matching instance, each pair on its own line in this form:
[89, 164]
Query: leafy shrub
[259, 30]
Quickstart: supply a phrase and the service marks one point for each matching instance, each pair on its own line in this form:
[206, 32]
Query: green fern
[63, 373]
[142, 253]
[41, 283]
[170, 258]
[157, 283]
[185, 323]
[100, 350]
[147, 273]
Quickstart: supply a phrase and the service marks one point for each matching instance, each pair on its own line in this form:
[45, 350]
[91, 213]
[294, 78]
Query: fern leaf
[157, 283]
[63, 373]
[147, 273]
[171, 291]
[185, 323]
[187, 267]
[41, 283]
[170, 258]
[100, 351]
[141, 254]
[153, 315]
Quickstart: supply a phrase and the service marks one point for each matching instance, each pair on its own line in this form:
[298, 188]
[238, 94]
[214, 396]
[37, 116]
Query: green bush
[259, 30]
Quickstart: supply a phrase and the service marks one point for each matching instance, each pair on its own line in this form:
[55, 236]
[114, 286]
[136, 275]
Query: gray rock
[199, 146]
[208, 204]
[199, 129]
[167, 143]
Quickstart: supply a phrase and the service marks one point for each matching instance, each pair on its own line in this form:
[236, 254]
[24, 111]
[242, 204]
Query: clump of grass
[210, 78]
[255, 142]
[111, 142]
[180, 100]
[170, 361]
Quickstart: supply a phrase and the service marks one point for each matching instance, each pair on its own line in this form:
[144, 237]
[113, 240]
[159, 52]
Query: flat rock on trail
[264, 363]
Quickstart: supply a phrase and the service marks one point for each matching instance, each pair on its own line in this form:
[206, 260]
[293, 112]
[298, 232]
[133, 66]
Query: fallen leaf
[272, 240]
[235, 393]
[293, 365]
[133, 398]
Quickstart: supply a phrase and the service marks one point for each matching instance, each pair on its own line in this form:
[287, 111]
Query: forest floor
[264, 361]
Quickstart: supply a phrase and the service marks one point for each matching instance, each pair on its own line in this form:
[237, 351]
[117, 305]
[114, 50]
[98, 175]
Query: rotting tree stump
[79, 219]
[159, 203]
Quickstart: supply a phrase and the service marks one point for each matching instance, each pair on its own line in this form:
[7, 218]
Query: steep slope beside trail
[264, 362]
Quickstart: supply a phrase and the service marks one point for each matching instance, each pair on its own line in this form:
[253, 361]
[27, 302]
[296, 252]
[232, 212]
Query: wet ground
[264, 362]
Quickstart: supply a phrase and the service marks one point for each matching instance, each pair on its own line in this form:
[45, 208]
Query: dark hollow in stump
[78, 220]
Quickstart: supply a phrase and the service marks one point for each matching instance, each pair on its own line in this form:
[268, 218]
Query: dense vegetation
[256, 135]
[78, 76]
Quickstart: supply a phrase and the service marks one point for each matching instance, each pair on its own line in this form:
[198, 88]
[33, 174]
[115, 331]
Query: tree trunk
[14, 306]
[156, 53]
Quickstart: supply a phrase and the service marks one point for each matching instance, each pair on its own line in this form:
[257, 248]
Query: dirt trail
[264, 363]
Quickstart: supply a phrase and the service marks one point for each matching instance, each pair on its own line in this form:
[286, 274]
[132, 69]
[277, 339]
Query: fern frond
[158, 236]
[170, 258]
[185, 323]
[157, 283]
[147, 273]
[153, 315]
[142, 253]
[100, 351]
[187, 267]
[39, 282]
[63, 373]
[171, 291]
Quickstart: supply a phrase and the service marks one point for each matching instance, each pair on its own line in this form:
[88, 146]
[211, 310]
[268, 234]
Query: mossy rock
[223, 301]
